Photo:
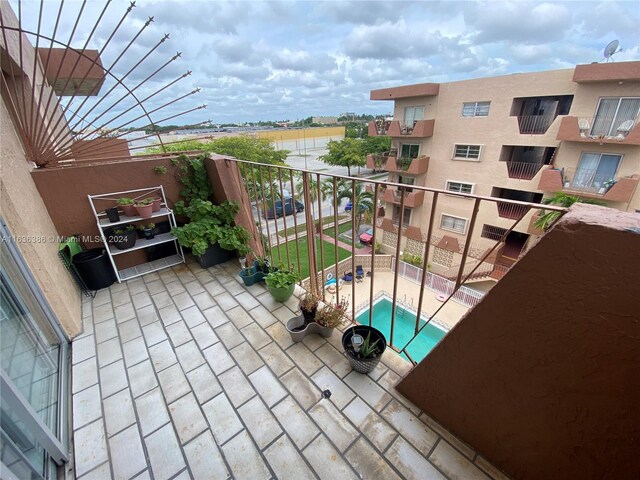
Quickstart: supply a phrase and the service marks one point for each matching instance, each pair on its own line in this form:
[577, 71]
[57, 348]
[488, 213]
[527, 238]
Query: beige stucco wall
[26, 216]
[497, 130]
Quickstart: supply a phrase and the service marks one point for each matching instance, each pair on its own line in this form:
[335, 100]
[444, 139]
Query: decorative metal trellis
[57, 129]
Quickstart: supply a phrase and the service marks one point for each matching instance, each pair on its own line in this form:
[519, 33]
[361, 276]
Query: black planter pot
[214, 255]
[94, 268]
[124, 241]
[148, 233]
[309, 315]
[112, 214]
[363, 365]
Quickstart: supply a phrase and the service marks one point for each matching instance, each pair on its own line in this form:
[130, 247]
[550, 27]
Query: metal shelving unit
[162, 238]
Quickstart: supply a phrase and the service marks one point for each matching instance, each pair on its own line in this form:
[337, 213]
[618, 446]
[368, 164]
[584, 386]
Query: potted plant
[148, 231]
[281, 283]
[144, 208]
[156, 203]
[309, 307]
[124, 237]
[364, 346]
[112, 214]
[325, 321]
[127, 206]
[211, 234]
[262, 265]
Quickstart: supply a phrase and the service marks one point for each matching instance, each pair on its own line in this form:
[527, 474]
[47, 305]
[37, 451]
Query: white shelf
[105, 223]
[98, 203]
[138, 270]
[144, 243]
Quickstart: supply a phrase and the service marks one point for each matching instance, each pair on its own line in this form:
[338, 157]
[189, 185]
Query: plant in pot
[156, 203]
[211, 234]
[281, 283]
[144, 208]
[124, 237]
[364, 346]
[325, 321]
[262, 265]
[127, 205]
[309, 307]
[148, 231]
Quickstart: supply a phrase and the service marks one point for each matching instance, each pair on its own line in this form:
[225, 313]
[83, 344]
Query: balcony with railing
[535, 124]
[523, 170]
[393, 128]
[403, 195]
[595, 184]
[599, 130]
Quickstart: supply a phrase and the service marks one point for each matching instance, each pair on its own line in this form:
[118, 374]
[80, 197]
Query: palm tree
[362, 201]
[560, 199]
[313, 191]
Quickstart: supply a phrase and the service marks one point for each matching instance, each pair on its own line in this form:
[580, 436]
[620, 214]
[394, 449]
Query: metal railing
[523, 170]
[535, 124]
[606, 126]
[314, 254]
[464, 295]
[511, 211]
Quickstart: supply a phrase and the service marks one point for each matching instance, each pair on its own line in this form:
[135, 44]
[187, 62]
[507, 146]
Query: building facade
[520, 137]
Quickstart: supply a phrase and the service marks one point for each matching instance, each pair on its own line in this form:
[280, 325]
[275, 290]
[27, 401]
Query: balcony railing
[294, 240]
[523, 170]
[599, 129]
[513, 212]
[393, 128]
[535, 124]
[411, 199]
[589, 181]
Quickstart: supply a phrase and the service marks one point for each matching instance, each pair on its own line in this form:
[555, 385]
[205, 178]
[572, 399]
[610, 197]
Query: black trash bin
[94, 268]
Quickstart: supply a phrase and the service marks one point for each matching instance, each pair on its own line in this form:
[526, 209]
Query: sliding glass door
[615, 116]
[33, 373]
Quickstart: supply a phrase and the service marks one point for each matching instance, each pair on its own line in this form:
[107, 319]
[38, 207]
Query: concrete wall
[26, 215]
[542, 376]
[65, 191]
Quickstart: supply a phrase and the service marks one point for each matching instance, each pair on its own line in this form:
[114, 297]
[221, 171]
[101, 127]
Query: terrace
[187, 373]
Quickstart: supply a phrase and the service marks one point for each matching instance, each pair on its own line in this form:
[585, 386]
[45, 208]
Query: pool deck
[408, 293]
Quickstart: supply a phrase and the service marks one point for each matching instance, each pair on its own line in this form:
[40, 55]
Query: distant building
[325, 120]
[518, 137]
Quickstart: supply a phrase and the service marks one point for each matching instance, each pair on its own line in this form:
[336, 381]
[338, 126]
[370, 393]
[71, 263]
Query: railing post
[311, 237]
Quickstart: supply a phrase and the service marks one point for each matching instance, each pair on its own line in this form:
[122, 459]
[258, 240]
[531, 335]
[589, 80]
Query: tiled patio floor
[186, 373]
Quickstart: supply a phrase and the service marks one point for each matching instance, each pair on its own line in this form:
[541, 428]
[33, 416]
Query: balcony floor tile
[198, 378]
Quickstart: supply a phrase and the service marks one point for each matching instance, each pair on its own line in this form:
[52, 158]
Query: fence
[464, 295]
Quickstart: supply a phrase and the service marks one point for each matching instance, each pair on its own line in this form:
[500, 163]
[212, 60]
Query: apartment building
[520, 137]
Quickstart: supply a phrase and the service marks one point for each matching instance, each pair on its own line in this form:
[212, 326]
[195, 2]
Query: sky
[291, 60]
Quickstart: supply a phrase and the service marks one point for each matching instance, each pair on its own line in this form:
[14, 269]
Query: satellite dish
[611, 49]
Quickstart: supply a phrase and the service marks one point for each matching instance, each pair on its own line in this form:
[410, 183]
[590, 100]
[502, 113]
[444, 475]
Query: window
[467, 152]
[459, 187]
[615, 116]
[455, 224]
[406, 219]
[409, 150]
[475, 109]
[407, 181]
[596, 169]
[412, 115]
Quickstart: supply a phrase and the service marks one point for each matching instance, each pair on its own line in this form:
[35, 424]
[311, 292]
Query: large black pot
[359, 364]
[94, 268]
[214, 255]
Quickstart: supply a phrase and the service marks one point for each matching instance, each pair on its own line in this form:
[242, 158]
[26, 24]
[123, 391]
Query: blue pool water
[404, 328]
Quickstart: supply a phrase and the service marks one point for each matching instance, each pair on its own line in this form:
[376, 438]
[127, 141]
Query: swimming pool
[404, 328]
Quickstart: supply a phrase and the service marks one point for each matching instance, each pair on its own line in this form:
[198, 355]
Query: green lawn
[343, 228]
[303, 259]
[302, 228]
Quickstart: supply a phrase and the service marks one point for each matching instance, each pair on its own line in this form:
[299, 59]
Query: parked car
[289, 207]
[367, 237]
[349, 206]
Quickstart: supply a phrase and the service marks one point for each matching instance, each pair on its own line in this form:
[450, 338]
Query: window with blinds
[455, 224]
[475, 109]
[615, 116]
[467, 152]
